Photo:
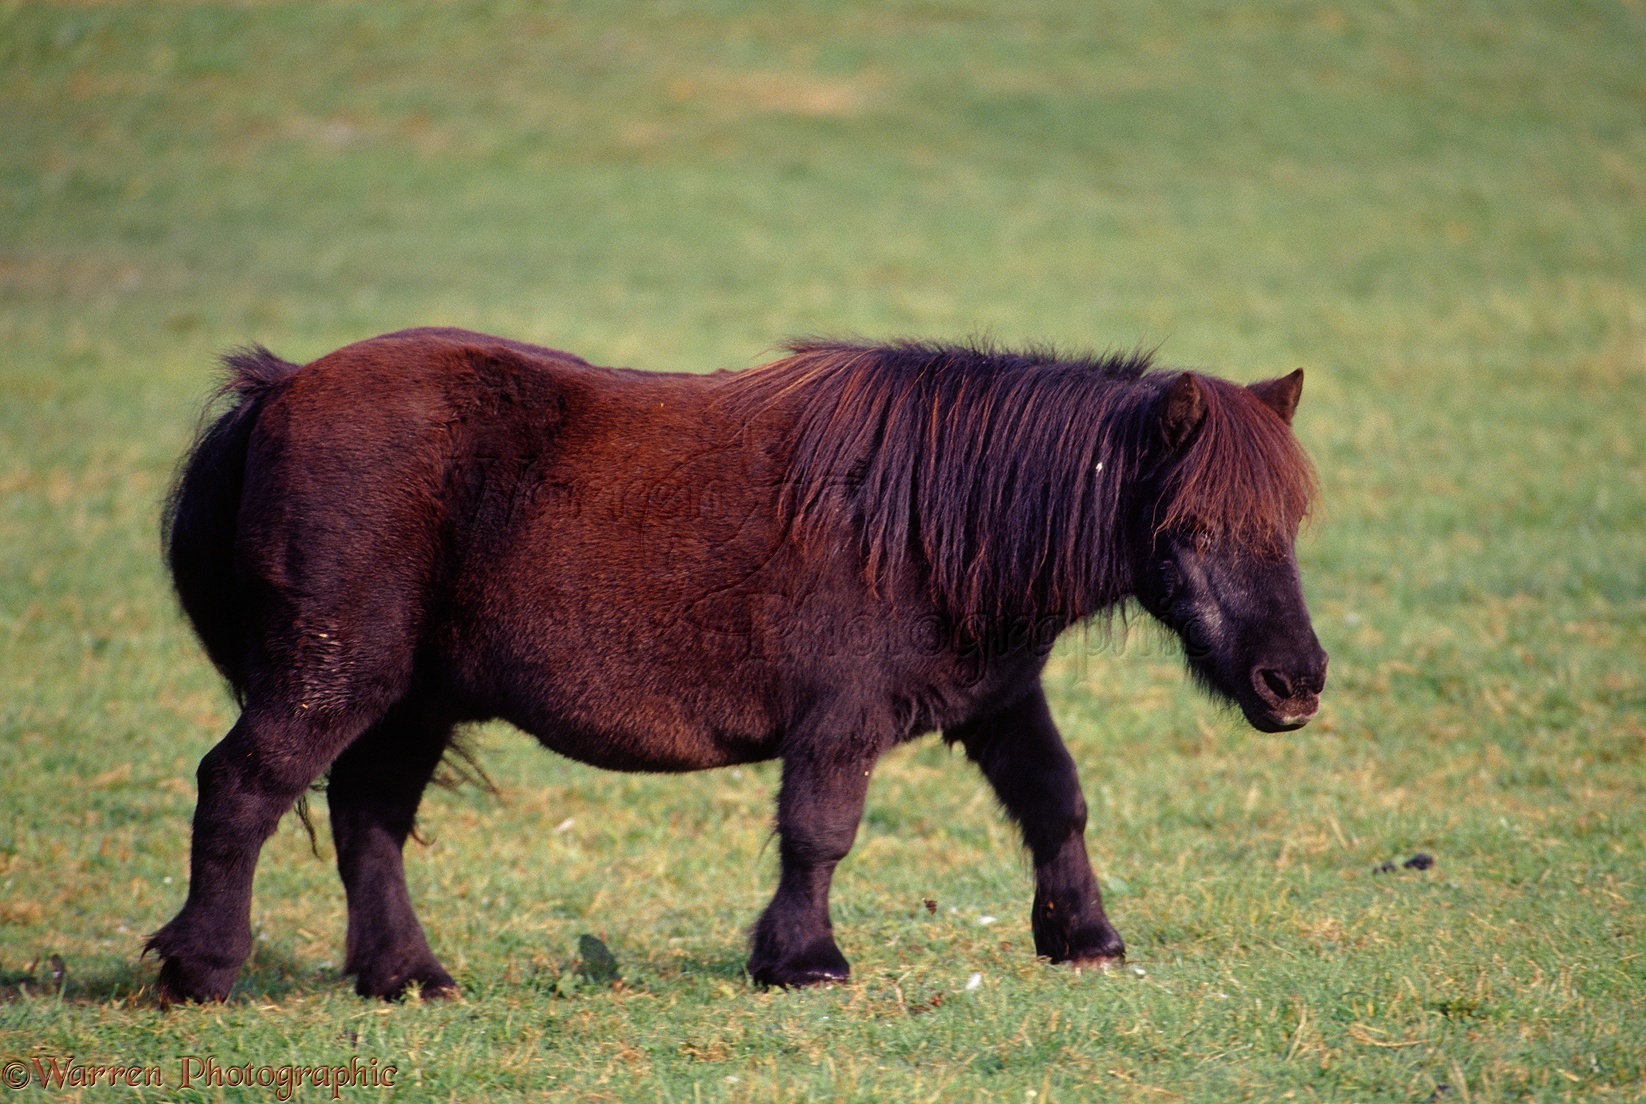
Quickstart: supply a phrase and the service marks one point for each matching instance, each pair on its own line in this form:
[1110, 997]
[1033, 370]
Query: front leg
[1024, 759]
[818, 808]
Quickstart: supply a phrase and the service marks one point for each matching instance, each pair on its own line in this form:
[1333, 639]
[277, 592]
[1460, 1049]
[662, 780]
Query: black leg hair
[818, 809]
[246, 784]
[1024, 759]
[373, 795]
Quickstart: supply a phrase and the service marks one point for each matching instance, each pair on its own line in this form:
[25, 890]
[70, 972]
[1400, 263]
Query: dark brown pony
[814, 560]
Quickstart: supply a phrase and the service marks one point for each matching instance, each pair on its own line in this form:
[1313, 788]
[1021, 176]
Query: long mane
[1011, 476]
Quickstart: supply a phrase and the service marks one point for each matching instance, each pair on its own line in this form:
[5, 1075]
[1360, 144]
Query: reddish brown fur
[815, 560]
[1243, 479]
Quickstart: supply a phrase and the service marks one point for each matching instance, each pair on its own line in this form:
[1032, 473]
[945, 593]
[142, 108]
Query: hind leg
[247, 783]
[374, 791]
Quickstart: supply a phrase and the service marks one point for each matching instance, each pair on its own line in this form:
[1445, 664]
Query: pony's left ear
[1280, 395]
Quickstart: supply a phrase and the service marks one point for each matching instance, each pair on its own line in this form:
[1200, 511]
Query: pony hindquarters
[333, 541]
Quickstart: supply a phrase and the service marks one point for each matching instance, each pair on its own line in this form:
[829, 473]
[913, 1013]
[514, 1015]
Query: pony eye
[1168, 581]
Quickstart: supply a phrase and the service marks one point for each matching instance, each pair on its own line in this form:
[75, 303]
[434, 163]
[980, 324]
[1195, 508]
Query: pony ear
[1280, 395]
[1182, 410]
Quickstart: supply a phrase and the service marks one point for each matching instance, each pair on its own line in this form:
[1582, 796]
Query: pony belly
[664, 748]
[629, 716]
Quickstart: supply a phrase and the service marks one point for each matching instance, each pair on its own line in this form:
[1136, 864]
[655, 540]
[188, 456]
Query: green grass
[1438, 209]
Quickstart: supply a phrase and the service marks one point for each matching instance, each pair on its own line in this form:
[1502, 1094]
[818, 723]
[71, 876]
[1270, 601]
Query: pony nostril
[1276, 683]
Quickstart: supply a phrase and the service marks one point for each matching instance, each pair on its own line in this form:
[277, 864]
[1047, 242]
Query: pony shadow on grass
[728, 967]
[594, 968]
[271, 974]
[110, 981]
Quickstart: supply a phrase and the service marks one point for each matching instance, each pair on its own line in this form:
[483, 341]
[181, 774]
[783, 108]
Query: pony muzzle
[1290, 699]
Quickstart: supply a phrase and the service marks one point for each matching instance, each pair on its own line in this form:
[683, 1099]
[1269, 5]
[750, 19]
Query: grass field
[1439, 210]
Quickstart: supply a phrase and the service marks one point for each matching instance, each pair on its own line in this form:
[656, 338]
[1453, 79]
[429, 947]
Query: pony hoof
[1103, 964]
[435, 991]
[818, 965]
[1092, 946]
[433, 984]
[802, 978]
[182, 981]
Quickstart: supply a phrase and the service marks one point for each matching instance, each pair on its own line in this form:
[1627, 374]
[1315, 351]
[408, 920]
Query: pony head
[1226, 501]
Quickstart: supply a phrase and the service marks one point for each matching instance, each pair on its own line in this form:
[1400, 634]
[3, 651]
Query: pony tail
[197, 523]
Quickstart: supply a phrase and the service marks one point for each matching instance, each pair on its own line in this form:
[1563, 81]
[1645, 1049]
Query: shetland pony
[814, 561]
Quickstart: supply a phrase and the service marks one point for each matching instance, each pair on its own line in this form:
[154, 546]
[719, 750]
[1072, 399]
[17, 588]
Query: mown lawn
[1439, 210]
